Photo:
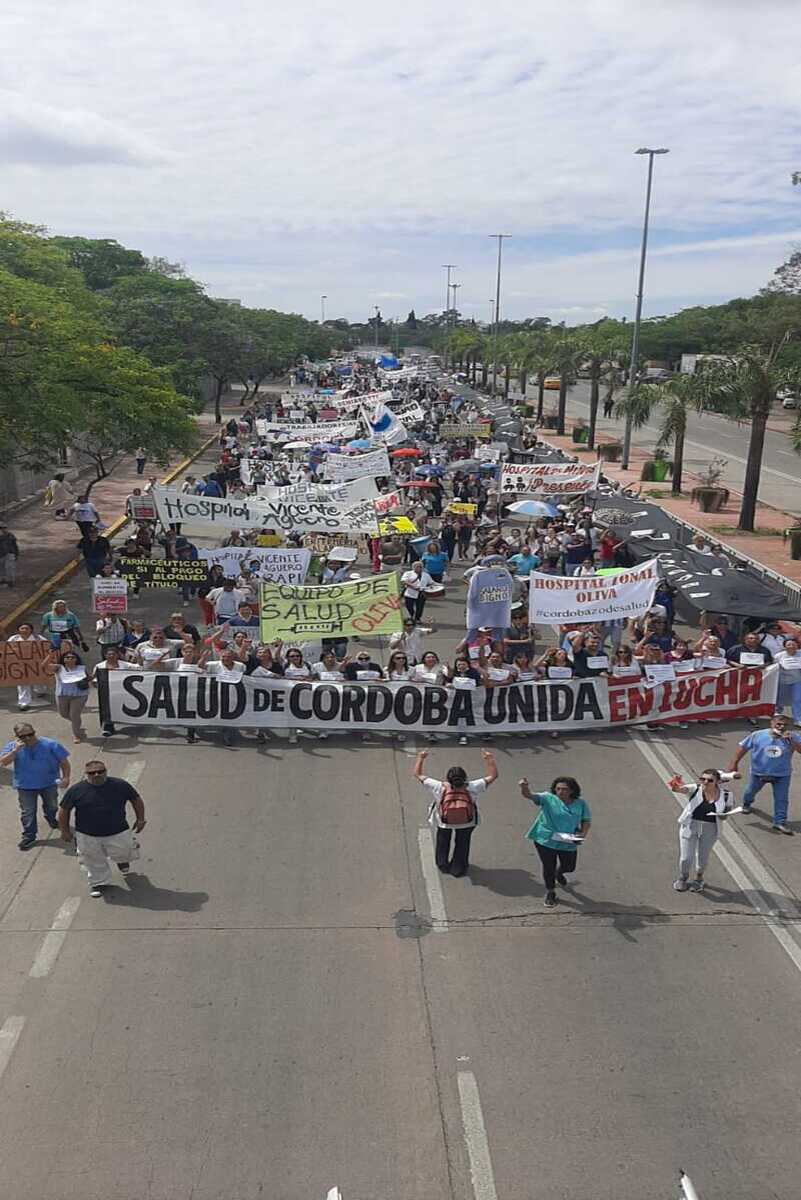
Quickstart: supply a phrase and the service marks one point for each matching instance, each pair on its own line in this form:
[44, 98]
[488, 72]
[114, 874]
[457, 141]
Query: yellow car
[552, 383]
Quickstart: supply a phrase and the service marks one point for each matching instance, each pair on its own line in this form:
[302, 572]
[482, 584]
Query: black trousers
[461, 849]
[464, 541]
[414, 607]
[549, 858]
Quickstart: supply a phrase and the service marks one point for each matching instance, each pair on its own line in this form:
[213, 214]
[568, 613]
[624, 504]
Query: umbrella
[463, 464]
[532, 508]
[359, 444]
[407, 453]
[327, 446]
[297, 445]
[417, 483]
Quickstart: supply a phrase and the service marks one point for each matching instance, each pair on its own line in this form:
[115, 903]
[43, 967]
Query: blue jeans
[789, 693]
[27, 808]
[781, 794]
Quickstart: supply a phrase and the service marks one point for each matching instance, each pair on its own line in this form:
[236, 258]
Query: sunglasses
[24, 736]
[97, 772]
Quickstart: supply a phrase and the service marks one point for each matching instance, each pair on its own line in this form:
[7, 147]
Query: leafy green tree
[786, 278]
[603, 344]
[101, 261]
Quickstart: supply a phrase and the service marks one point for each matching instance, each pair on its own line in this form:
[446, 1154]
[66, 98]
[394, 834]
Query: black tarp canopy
[707, 582]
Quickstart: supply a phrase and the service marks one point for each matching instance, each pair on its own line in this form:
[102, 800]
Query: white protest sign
[210, 513]
[273, 566]
[322, 431]
[342, 467]
[559, 599]
[550, 479]
[336, 493]
[110, 595]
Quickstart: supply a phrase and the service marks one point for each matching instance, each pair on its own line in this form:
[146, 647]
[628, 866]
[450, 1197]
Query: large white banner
[169, 699]
[337, 493]
[342, 467]
[550, 479]
[209, 514]
[564, 599]
[273, 566]
[409, 412]
[297, 431]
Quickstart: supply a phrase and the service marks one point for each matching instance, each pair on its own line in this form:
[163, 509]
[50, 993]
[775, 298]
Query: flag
[383, 424]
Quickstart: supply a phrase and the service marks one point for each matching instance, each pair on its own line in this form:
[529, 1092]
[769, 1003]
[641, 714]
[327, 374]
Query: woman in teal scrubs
[563, 816]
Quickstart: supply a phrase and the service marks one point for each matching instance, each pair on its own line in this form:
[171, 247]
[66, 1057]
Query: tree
[411, 320]
[673, 400]
[567, 356]
[745, 388]
[786, 279]
[603, 344]
[64, 383]
[101, 261]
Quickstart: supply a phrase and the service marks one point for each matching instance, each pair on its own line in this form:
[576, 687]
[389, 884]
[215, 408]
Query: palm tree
[567, 356]
[603, 343]
[673, 400]
[745, 388]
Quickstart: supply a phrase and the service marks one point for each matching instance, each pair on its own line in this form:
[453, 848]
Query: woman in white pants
[27, 691]
[707, 803]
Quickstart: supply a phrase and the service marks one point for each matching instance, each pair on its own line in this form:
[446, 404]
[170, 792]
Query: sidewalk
[47, 547]
[765, 545]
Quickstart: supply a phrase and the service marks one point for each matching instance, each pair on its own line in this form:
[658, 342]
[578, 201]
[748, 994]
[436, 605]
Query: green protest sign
[364, 607]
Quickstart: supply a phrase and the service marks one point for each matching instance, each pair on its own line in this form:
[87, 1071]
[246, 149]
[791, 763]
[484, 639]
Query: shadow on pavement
[142, 893]
[505, 881]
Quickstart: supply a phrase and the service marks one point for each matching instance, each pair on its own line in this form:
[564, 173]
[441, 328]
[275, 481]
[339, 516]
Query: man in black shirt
[101, 828]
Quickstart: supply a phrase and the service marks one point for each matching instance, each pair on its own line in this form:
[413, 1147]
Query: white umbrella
[297, 445]
[532, 508]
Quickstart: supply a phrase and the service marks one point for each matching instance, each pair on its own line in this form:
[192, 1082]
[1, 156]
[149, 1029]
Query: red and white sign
[142, 508]
[549, 479]
[561, 599]
[110, 595]
[736, 692]
[388, 503]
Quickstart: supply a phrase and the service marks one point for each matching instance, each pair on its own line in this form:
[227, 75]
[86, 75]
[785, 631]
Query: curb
[69, 568]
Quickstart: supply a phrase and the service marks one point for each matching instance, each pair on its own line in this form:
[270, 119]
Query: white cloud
[282, 152]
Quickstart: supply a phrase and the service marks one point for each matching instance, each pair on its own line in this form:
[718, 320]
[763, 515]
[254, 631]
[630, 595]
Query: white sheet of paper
[463, 683]
[791, 664]
[568, 837]
[560, 672]
[659, 672]
[367, 675]
[598, 662]
[749, 659]
[498, 674]
[714, 664]
[684, 666]
[632, 671]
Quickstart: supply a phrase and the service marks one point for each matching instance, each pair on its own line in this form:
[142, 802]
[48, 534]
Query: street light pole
[448, 267]
[500, 237]
[635, 340]
[322, 309]
[377, 311]
[454, 286]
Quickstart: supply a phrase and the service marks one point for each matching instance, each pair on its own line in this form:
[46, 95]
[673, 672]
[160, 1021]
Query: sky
[285, 151]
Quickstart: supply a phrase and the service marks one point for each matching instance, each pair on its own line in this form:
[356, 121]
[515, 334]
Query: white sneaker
[681, 884]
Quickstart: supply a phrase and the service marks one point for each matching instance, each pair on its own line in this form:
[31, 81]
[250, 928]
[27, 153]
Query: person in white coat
[707, 803]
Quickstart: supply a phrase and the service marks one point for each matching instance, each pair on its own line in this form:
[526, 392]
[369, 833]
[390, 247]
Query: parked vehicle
[552, 383]
[788, 398]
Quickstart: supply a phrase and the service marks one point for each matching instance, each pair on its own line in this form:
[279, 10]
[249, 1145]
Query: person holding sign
[749, 652]
[453, 811]
[561, 826]
[789, 661]
[698, 824]
[72, 689]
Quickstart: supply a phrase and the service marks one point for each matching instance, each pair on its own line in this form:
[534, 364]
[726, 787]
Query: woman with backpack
[454, 810]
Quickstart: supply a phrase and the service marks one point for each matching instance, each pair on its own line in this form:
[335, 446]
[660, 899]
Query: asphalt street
[285, 996]
[710, 436]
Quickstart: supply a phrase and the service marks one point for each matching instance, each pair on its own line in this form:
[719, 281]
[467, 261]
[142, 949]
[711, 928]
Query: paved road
[709, 436]
[267, 1008]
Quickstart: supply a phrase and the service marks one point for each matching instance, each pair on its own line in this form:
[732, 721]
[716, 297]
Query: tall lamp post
[500, 237]
[448, 267]
[377, 312]
[635, 340]
[322, 309]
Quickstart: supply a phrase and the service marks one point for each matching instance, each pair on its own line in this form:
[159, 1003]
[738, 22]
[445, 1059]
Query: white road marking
[133, 772]
[10, 1032]
[475, 1136]
[436, 900]
[788, 454]
[751, 877]
[49, 950]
